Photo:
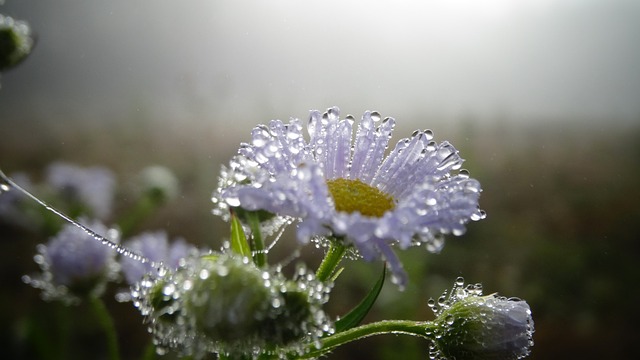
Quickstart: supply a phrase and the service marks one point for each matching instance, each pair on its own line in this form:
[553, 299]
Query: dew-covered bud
[472, 326]
[224, 304]
[159, 183]
[16, 42]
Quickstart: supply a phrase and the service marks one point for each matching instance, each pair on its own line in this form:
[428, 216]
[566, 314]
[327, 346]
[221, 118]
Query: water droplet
[204, 274]
[449, 319]
[481, 214]
[350, 119]
[169, 289]
[375, 116]
[428, 133]
[233, 201]
[459, 281]
[333, 113]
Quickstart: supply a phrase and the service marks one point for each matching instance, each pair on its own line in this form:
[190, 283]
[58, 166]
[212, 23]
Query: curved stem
[108, 326]
[328, 265]
[406, 327]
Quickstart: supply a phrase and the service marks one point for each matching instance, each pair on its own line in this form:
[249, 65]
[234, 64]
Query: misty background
[526, 59]
[541, 97]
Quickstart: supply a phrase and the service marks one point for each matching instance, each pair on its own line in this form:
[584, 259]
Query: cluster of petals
[92, 186]
[282, 172]
[74, 265]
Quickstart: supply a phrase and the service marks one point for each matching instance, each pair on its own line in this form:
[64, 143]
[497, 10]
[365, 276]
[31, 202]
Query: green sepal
[355, 316]
[239, 243]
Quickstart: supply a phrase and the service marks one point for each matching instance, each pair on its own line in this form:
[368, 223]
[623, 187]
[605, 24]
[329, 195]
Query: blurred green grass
[561, 198]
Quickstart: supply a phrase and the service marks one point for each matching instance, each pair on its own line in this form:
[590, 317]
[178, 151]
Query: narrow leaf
[239, 243]
[355, 316]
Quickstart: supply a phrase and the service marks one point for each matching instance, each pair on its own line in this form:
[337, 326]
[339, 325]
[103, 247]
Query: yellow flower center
[354, 195]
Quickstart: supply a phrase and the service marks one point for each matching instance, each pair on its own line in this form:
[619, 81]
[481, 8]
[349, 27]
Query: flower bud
[159, 183]
[471, 326]
[224, 304]
[16, 42]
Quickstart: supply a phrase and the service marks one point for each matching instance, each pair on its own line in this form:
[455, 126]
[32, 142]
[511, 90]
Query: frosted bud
[224, 304]
[470, 326]
[16, 42]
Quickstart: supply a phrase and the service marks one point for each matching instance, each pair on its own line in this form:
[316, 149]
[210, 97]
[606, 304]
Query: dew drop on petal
[428, 133]
[233, 201]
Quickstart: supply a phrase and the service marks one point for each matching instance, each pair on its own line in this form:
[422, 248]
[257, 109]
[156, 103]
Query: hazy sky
[578, 58]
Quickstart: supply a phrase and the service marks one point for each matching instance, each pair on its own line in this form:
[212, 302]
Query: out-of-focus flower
[472, 326]
[159, 183]
[224, 304]
[92, 187]
[348, 189]
[155, 247]
[74, 265]
[16, 42]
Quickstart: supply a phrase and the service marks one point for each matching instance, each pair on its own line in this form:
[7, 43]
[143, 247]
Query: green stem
[149, 352]
[106, 322]
[328, 265]
[406, 327]
[143, 207]
[259, 256]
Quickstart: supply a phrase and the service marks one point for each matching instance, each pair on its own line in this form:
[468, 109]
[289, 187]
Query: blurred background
[541, 97]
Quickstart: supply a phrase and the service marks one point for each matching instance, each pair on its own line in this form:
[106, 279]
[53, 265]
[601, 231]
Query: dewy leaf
[355, 316]
[239, 243]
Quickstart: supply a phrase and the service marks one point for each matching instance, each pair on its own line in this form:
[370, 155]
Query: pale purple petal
[289, 179]
[92, 186]
[155, 247]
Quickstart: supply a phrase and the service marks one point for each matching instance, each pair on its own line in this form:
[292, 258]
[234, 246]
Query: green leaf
[355, 316]
[239, 243]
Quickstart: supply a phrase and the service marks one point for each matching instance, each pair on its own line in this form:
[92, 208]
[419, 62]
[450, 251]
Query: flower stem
[259, 256]
[328, 265]
[406, 327]
[142, 209]
[106, 322]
